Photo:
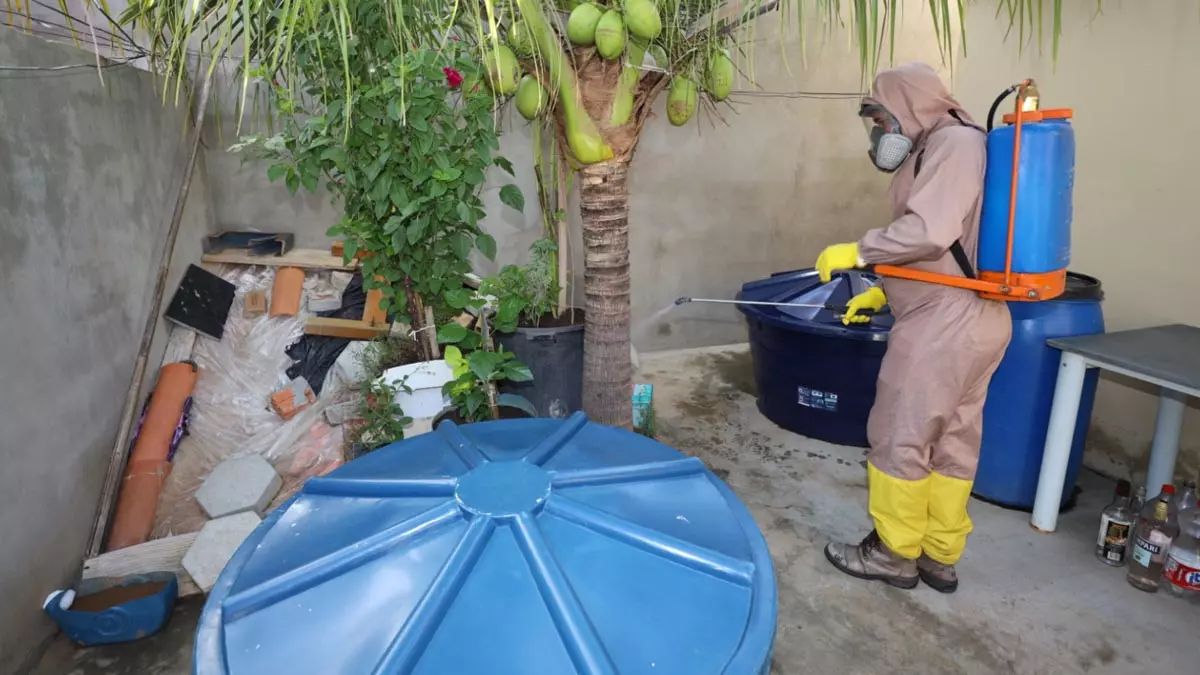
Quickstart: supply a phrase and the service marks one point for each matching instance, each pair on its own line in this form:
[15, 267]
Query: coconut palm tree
[591, 71]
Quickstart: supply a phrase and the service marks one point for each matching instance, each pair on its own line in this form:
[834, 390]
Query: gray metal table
[1167, 356]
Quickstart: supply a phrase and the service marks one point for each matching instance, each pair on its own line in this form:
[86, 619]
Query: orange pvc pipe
[148, 467]
[1012, 195]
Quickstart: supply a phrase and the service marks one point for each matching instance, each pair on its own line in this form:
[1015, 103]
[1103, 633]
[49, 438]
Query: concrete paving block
[241, 484]
[215, 545]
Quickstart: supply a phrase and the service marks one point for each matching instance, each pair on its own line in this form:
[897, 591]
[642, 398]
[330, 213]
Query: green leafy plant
[383, 421]
[472, 392]
[409, 164]
[524, 294]
[387, 352]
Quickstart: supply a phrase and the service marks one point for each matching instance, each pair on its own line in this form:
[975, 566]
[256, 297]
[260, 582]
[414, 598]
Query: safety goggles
[875, 116]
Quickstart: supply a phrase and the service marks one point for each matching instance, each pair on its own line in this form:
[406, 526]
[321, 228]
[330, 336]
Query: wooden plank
[305, 258]
[373, 312]
[346, 328]
[431, 333]
[156, 555]
[254, 304]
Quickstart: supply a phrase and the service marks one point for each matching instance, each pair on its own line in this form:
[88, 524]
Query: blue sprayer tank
[1045, 178]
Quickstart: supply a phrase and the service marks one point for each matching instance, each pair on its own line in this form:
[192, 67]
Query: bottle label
[1144, 552]
[1113, 539]
[1180, 574]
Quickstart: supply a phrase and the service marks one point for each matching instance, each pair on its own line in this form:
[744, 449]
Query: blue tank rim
[776, 318]
[753, 653]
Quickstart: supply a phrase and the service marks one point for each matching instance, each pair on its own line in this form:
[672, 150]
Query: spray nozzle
[683, 300]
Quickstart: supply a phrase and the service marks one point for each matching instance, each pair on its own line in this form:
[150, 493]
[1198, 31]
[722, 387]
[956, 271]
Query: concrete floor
[1029, 604]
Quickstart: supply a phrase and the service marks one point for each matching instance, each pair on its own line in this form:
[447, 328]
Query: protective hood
[915, 95]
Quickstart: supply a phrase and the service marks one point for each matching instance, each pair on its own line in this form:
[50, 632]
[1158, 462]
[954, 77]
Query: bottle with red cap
[1181, 571]
[1152, 538]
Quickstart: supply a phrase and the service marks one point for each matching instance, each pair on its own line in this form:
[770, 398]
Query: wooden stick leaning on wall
[120, 449]
[562, 235]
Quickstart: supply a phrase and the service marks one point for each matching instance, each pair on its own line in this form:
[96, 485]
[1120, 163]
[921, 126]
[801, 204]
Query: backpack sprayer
[1030, 177]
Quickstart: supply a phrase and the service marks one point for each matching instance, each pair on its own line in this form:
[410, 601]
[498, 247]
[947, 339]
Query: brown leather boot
[938, 576]
[871, 559]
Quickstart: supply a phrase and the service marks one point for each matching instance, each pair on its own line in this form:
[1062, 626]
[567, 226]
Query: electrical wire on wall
[123, 49]
[814, 95]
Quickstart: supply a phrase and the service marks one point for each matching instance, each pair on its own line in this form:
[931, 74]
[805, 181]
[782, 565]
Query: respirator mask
[889, 146]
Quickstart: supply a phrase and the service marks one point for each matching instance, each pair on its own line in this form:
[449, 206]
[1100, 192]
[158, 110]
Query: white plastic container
[424, 381]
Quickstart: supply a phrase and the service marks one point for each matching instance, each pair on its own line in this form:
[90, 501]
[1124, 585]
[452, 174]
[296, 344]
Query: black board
[202, 302]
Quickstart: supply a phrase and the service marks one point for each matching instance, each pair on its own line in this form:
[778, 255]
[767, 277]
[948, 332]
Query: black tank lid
[804, 286]
[1082, 287]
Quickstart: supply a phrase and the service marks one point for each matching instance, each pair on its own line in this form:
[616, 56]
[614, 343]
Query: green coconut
[660, 56]
[502, 70]
[520, 38]
[642, 19]
[719, 78]
[681, 100]
[532, 97]
[581, 26]
[610, 35]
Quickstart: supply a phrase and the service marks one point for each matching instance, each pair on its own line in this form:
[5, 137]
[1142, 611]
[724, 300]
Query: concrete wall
[1127, 73]
[245, 199]
[88, 178]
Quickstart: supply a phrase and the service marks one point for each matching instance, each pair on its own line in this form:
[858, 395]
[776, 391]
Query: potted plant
[381, 421]
[530, 323]
[472, 392]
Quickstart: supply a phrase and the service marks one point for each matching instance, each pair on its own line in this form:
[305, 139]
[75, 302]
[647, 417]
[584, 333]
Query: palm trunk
[607, 370]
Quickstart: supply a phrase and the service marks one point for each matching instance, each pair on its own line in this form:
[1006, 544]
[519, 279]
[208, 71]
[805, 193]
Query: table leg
[1165, 447]
[1063, 413]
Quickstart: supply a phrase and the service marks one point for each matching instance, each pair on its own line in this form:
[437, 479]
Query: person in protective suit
[927, 422]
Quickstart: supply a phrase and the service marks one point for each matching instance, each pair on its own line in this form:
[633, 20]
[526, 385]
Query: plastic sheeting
[230, 415]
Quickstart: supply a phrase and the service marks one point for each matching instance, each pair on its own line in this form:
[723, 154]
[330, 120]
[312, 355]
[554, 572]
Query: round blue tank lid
[805, 287]
[515, 547]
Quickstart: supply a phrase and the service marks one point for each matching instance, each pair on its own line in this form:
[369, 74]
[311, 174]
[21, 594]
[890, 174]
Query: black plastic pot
[555, 356]
[506, 413]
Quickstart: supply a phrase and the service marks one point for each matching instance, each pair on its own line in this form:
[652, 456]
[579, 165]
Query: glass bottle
[1152, 538]
[1116, 525]
[1168, 493]
[1184, 498]
[1138, 502]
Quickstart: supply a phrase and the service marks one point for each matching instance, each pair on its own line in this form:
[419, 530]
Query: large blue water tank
[1045, 180]
[1017, 411]
[516, 547]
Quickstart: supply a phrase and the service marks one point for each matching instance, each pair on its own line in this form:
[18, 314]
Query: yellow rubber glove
[872, 298]
[837, 257]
